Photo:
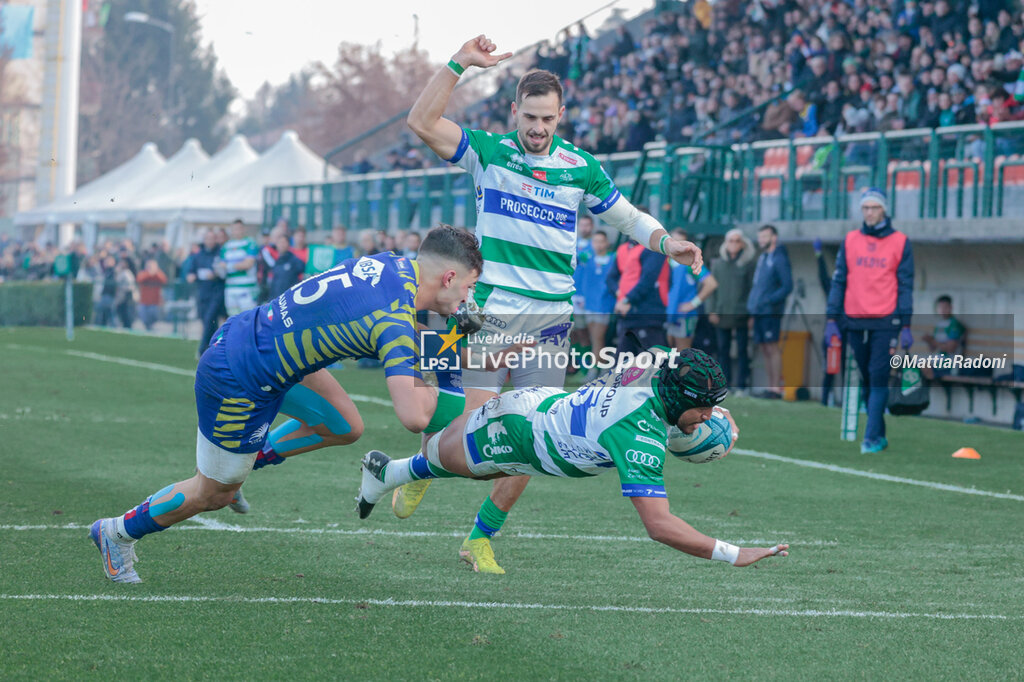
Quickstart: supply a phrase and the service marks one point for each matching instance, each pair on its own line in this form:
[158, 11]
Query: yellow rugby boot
[478, 554]
[405, 499]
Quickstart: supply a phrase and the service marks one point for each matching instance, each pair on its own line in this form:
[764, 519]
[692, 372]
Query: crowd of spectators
[128, 283]
[132, 288]
[656, 301]
[772, 69]
[831, 68]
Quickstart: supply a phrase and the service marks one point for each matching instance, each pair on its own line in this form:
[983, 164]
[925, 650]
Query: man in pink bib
[872, 300]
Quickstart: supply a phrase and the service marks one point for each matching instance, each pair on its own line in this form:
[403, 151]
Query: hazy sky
[259, 41]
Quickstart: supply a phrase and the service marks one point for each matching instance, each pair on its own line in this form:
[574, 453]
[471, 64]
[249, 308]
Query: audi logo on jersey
[643, 458]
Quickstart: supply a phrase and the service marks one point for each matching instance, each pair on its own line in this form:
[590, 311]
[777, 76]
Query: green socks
[489, 520]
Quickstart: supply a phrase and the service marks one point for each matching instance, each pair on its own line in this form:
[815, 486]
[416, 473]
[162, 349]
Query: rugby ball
[710, 441]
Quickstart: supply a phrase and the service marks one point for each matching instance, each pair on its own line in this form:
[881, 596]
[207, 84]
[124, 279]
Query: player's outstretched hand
[686, 253]
[751, 555]
[735, 428]
[479, 52]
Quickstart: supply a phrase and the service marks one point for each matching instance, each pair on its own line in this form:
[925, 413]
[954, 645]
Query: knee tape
[433, 452]
[312, 408]
[160, 504]
[295, 443]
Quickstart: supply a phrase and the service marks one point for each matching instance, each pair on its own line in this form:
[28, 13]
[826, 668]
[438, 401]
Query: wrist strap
[456, 68]
[696, 301]
[725, 552]
[661, 244]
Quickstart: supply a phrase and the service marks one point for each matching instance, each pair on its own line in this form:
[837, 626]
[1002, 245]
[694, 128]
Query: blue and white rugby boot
[118, 557]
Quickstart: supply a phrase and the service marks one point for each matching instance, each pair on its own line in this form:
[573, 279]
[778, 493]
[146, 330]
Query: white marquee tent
[168, 202]
[187, 189]
[98, 194]
[239, 194]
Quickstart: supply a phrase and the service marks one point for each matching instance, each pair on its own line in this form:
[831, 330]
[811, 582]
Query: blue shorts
[767, 328]
[231, 416]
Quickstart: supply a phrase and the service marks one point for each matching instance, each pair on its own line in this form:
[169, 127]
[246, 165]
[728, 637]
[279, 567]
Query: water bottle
[833, 357]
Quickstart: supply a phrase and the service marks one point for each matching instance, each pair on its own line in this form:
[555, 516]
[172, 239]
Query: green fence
[958, 172]
[43, 304]
[955, 172]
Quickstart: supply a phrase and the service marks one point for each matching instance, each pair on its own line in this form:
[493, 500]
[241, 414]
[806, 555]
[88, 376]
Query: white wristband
[725, 552]
[696, 301]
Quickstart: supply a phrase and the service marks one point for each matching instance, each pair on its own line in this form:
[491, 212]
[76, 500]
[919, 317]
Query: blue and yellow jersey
[362, 308]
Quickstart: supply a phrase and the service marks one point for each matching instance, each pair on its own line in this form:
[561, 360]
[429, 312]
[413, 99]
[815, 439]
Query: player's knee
[346, 438]
[657, 535]
[218, 500]
[209, 500]
[343, 429]
[351, 435]
[355, 430]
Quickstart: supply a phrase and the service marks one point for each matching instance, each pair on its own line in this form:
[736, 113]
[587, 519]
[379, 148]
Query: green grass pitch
[897, 571]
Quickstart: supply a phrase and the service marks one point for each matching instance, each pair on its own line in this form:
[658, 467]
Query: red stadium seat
[908, 175]
[1013, 175]
[776, 156]
[775, 162]
[804, 154]
[769, 187]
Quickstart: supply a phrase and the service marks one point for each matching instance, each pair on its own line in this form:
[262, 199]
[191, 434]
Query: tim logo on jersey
[537, 191]
[439, 352]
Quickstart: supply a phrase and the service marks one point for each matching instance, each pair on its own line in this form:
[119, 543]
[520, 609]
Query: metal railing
[959, 172]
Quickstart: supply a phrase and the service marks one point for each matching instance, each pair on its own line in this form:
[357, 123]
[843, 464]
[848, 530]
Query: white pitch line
[213, 525]
[132, 363]
[373, 400]
[740, 451]
[878, 477]
[191, 373]
[806, 613]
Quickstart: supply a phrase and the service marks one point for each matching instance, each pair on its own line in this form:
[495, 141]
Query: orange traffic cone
[967, 453]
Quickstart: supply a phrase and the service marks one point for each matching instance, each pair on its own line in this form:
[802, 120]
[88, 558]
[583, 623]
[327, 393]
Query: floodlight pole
[143, 18]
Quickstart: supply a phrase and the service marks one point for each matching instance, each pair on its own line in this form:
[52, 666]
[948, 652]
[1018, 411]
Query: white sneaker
[118, 557]
[372, 488]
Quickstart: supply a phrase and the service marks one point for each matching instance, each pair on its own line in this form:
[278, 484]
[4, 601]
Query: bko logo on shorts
[440, 352]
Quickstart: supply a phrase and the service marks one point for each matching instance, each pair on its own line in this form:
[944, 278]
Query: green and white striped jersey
[235, 251]
[616, 422]
[526, 208]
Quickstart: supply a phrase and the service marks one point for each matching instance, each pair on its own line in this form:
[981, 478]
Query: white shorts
[597, 318]
[494, 445]
[239, 299]
[509, 314]
[221, 465]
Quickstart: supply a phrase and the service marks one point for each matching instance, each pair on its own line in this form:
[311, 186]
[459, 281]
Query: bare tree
[120, 119]
[330, 105]
[145, 84]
